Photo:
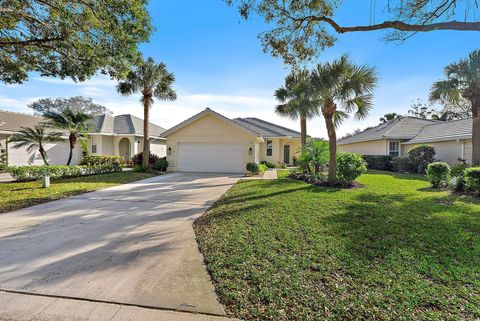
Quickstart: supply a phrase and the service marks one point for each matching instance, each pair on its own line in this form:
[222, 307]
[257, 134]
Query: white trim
[439, 138]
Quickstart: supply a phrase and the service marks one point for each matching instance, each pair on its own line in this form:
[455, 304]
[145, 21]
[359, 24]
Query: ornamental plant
[438, 174]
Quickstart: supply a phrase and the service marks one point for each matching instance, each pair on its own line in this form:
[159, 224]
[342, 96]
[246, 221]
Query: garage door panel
[207, 157]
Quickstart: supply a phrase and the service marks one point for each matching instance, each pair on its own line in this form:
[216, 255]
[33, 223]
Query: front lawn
[393, 250]
[18, 195]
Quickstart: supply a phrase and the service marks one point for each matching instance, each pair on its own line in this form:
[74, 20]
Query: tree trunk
[476, 134]
[43, 155]
[332, 145]
[303, 130]
[72, 138]
[146, 132]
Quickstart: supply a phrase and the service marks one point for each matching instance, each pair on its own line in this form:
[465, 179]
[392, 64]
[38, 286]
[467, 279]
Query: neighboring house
[451, 139]
[110, 135]
[210, 142]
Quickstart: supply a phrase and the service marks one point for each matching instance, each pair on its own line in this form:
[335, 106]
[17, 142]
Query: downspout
[6, 150]
[463, 149]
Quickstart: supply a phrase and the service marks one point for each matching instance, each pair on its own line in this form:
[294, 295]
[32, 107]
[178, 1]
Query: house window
[394, 149]
[269, 148]
[94, 148]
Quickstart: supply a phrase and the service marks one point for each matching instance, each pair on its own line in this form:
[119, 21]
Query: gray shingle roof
[403, 127]
[123, 124]
[448, 130]
[266, 129]
[12, 122]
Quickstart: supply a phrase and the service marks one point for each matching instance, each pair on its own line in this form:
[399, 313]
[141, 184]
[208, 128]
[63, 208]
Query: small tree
[420, 156]
[75, 123]
[315, 152]
[34, 139]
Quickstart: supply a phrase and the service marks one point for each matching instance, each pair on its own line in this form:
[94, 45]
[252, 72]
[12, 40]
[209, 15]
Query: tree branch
[31, 42]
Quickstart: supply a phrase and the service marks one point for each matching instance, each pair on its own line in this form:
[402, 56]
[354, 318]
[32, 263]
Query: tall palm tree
[463, 83]
[389, 117]
[152, 80]
[297, 100]
[34, 139]
[76, 123]
[342, 87]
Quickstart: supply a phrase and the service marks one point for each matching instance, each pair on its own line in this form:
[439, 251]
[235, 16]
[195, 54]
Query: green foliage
[401, 164]
[420, 156]
[253, 168]
[379, 162]
[161, 164]
[314, 155]
[77, 104]
[350, 166]
[281, 165]
[102, 159]
[268, 164]
[472, 180]
[70, 38]
[139, 169]
[458, 169]
[29, 173]
[262, 168]
[438, 174]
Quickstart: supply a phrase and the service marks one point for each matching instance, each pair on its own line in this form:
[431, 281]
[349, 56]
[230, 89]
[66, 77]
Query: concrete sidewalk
[130, 244]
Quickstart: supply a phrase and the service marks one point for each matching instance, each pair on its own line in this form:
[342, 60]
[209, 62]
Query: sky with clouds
[219, 63]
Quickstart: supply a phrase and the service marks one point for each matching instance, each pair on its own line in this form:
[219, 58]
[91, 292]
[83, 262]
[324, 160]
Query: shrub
[30, 173]
[472, 180]
[438, 174]
[457, 183]
[253, 168]
[262, 168]
[349, 167]
[281, 165]
[102, 159]
[401, 164]
[380, 162]
[420, 156]
[161, 164]
[138, 158]
[268, 164]
[139, 169]
[458, 169]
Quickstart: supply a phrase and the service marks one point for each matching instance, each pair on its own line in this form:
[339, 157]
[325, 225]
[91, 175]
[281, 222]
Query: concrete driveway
[132, 244]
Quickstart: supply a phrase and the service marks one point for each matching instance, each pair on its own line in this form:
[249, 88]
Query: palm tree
[342, 87]
[151, 80]
[297, 100]
[76, 123]
[34, 139]
[463, 83]
[389, 117]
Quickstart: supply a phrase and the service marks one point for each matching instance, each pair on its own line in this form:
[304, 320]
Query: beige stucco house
[211, 142]
[451, 139]
[109, 135]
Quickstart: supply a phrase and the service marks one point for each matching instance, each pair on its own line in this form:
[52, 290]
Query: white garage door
[216, 158]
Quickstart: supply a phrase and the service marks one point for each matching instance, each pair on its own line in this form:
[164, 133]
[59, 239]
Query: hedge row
[30, 173]
[102, 159]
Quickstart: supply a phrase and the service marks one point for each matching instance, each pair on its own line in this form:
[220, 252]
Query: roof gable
[266, 129]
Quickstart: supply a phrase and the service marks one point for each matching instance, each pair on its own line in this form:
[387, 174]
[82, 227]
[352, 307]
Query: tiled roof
[447, 130]
[266, 129]
[403, 127]
[123, 124]
[13, 122]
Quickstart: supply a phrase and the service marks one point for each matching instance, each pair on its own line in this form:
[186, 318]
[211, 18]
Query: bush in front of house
[458, 169]
[420, 156]
[30, 173]
[138, 158]
[438, 174]
[379, 162]
[253, 168]
[268, 164]
[102, 159]
[161, 164]
[472, 180]
[262, 168]
[401, 164]
[349, 167]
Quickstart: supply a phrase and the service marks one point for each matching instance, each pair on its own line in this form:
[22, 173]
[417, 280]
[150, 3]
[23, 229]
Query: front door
[286, 154]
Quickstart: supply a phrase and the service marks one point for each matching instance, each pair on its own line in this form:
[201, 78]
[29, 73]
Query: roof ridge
[279, 126]
[19, 113]
[441, 122]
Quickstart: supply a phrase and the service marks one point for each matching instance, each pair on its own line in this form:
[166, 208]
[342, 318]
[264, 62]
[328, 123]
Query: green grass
[18, 195]
[394, 250]
[282, 173]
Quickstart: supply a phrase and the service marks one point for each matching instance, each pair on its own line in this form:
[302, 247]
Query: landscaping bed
[394, 250]
[18, 195]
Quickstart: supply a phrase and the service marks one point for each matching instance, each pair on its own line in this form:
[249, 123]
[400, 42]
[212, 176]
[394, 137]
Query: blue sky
[219, 63]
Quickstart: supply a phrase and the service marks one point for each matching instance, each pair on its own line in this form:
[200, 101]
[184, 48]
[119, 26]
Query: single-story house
[109, 135]
[211, 142]
[451, 139]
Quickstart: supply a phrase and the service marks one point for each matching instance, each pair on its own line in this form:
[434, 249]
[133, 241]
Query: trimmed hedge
[253, 168]
[401, 164]
[379, 162]
[420, 156]
[30, 173]
[472, 180]
[438, 174]
[349, 167]
[102, 159]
